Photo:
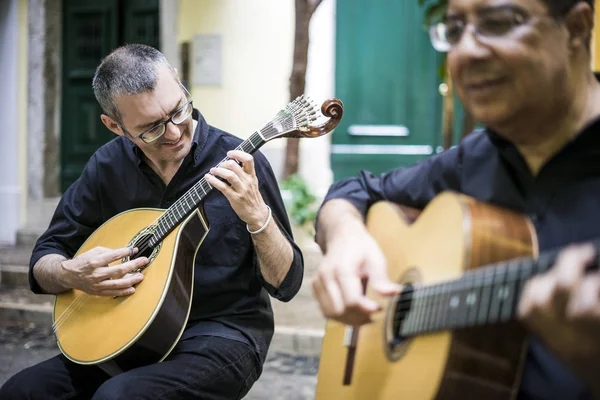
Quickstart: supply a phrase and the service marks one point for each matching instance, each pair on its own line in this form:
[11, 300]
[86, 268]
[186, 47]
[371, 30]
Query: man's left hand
[562, 307]
[242, 191]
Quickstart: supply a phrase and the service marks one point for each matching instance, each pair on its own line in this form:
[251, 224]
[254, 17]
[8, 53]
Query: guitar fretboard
[187, 203]
[483, 296]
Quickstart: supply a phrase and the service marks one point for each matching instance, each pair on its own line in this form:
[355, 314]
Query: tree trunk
[304, 11]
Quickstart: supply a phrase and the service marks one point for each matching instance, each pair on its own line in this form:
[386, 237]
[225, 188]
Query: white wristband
[263, 227]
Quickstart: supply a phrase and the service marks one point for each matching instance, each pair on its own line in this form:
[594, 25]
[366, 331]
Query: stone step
[18, 255]
[28, 236]
[299, 323]
[20, 305]
[14, 262]
[14, 275]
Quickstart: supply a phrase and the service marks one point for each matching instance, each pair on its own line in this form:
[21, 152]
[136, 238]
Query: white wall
[257, 39]
[257, 51]
[10, 191]
[315, 161]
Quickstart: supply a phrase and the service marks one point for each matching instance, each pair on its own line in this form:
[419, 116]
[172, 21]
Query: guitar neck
[483, 296]
[190, 201]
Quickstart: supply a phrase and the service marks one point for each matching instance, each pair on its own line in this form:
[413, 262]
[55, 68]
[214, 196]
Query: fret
[202, 188]
[418, 310]
[176, 212]
[153, 240]
[206, 187]
[499, 293]
[437, 308]
[243, 147]
[524, 275]
[486, 292]
[423, 309]
[444, 301]
[473, 298]
[430, 310]
[463, 288]
[454, 304]
[247, 146]
[193, 195]
[512, 276]
[257, 140]
[159, 230]
[189, 200]
[427, 321]
[250, 142]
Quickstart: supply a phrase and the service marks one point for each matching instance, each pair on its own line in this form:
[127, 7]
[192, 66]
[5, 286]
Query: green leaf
[302, 206]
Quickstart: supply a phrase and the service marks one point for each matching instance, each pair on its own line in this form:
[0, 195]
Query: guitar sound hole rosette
[143, 236]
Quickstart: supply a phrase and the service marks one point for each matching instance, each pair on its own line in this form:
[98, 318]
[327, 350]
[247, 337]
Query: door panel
[88, 35]
[91, 29]
[387, 77]
[142, 22]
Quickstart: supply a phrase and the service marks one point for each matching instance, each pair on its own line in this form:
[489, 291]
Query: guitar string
[301, 114]
[516, 271]
[268, 130]
[423, 307]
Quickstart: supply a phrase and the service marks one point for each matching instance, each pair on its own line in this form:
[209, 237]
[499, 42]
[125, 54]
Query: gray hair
[130, 69]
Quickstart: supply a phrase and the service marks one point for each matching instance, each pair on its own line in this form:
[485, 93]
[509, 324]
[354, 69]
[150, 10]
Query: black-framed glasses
[154, 133]
[491, 24]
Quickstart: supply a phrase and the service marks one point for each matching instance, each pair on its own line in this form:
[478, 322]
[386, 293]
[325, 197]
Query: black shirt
[563, 201]
[231, 298]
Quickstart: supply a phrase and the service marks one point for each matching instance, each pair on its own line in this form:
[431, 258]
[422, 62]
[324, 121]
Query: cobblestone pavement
[285, 377]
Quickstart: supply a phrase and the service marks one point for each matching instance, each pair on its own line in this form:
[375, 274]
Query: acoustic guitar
[451, 333]
[122, 333]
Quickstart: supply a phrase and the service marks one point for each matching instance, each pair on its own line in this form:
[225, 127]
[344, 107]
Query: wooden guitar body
[131, 331]
[453, 234]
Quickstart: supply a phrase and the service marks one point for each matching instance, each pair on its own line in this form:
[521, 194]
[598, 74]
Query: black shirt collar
[586, 142]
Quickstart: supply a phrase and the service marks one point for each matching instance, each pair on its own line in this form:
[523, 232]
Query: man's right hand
[91, 273]
[351, 255]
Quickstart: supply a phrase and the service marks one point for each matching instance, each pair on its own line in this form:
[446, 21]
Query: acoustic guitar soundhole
[141, 241]
[399, 307]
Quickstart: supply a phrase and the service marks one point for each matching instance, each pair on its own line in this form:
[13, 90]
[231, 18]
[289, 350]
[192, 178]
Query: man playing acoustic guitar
[522, 68]
[164, 146]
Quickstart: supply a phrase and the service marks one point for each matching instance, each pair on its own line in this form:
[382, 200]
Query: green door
[387, 76]
[91, 29]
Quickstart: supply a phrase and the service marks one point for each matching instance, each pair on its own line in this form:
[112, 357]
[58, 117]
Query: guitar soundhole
[396, 343]
[403, 306]
[141, 241]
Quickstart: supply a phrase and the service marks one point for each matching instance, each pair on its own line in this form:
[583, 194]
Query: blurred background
[242, 60]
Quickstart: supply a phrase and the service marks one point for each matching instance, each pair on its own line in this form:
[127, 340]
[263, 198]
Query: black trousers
[201, 367]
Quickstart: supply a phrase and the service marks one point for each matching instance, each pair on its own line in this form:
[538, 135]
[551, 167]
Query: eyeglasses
[490, 24]
[179, 116]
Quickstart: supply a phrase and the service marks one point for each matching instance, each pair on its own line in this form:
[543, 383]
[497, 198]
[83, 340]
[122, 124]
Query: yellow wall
[22, 106]
[257, 40]
[596, 40]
